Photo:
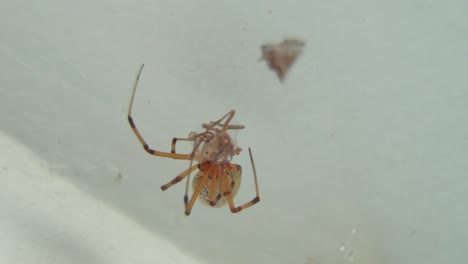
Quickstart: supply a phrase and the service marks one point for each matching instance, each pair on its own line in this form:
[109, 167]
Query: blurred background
[361, 153]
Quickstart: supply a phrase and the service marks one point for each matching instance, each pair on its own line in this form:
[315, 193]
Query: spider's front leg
[140, 137]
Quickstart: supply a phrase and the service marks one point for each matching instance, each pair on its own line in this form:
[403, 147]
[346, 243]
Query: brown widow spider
[217, 181]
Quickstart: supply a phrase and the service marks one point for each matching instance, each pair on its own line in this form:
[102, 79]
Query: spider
[217, 180]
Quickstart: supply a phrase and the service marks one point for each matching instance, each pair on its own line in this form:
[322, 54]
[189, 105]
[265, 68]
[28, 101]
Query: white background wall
[361, 156]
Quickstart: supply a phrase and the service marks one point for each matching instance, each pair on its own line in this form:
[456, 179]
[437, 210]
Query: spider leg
[227, 192]
[213, 183]
[174, 142]
[192, 137]
[196, 145]
[188, 182]
[215, 202]
[217, 183]
[140, 137]
[189, 205]
[224, 126]
[179, 178]
[211, 124]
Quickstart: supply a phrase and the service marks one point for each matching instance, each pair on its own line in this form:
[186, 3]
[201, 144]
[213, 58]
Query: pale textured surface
[367, 134]
[44, 219]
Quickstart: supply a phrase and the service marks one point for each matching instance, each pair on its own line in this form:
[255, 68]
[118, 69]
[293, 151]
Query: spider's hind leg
[228, 189]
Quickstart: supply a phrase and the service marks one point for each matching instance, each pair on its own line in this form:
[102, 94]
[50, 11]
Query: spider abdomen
[226, 179]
